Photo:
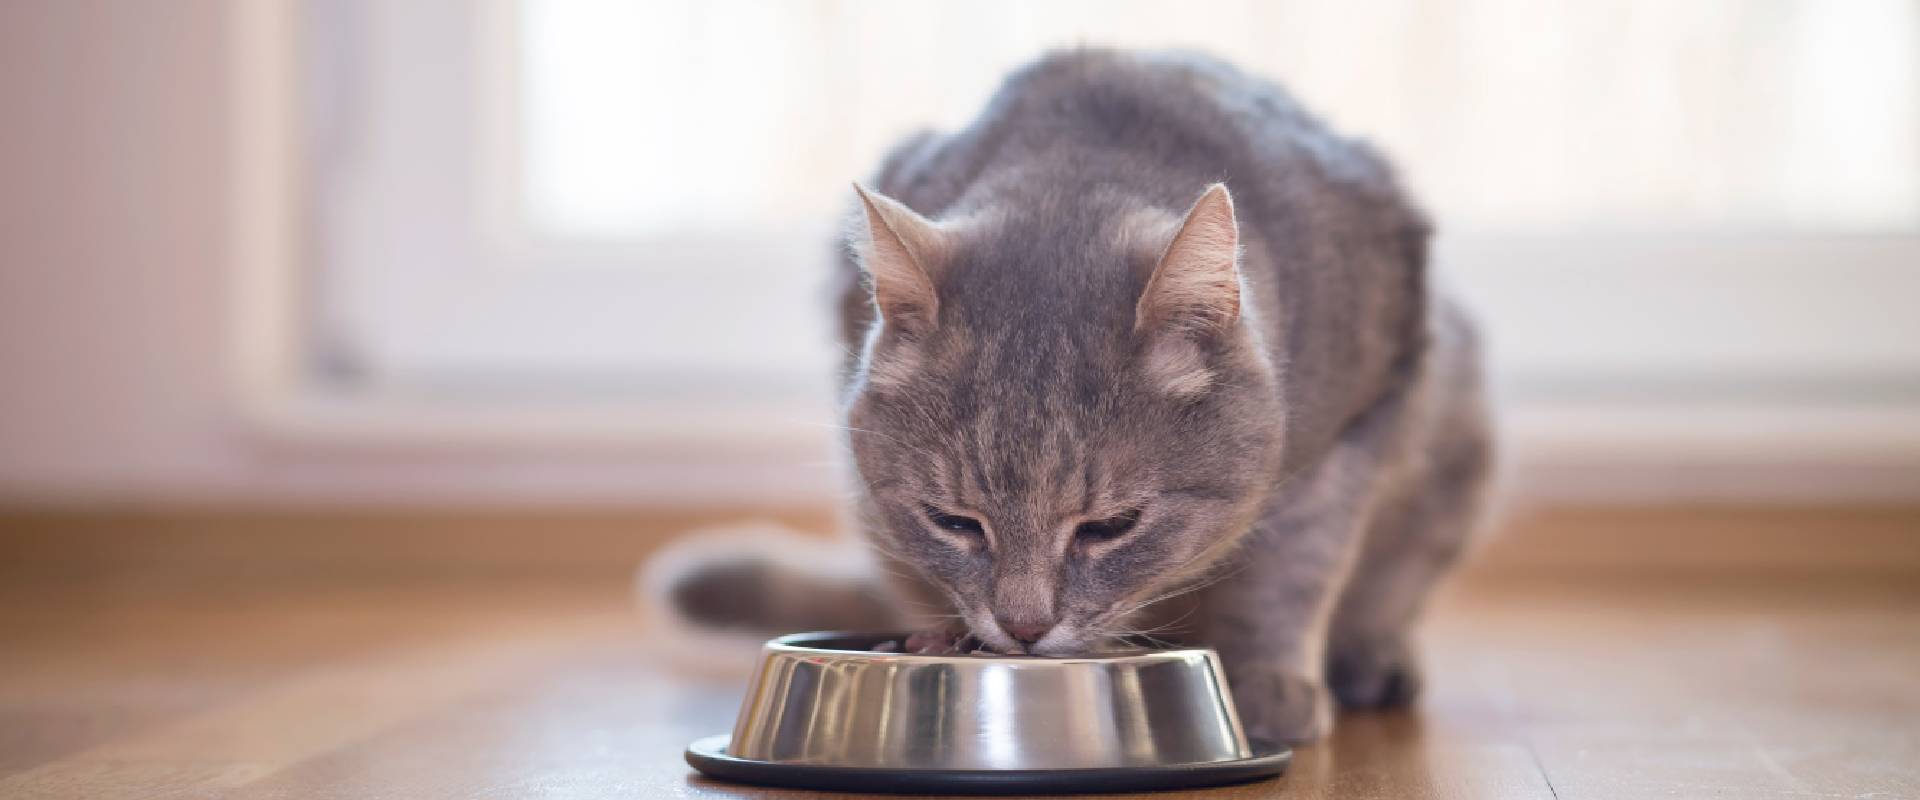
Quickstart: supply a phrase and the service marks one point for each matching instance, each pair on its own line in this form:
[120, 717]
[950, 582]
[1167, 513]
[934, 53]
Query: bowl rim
[1265, 760]
[801, 644]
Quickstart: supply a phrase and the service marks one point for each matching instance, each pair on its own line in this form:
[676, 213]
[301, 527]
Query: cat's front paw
[1374, 674]
[1277, 706]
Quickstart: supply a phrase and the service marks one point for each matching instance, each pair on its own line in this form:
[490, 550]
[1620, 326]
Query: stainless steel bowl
[824, 704]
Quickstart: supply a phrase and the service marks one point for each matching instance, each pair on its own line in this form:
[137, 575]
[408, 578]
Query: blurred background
[353, 353]
[570, 254]
[553, 252]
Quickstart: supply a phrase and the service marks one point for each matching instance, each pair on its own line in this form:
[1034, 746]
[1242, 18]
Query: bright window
[566, 198]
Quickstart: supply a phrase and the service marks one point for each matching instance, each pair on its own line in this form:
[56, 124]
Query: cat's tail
[763, 579]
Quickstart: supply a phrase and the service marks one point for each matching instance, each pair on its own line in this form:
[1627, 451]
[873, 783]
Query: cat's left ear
[1195, 288]
[1193, 297]
[899, 249]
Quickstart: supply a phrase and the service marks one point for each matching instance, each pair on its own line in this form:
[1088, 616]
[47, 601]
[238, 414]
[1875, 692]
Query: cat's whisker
[1183, 590]
[1172, 624]
[1104, 634]
[1127, 611]
[892, 571]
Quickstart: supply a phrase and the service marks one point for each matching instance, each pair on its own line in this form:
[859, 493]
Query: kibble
[942, 642]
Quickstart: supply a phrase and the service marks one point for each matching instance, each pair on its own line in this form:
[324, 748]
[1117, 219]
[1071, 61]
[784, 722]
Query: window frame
[1860, 444]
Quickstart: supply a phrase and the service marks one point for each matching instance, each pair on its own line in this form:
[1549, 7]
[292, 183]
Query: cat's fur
[1150, 290]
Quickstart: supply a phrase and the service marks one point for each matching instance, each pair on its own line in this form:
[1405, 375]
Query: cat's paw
[1375, 674]
[1280, 707]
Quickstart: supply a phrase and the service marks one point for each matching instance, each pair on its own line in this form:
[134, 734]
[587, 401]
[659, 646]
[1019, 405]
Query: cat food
[936, 643]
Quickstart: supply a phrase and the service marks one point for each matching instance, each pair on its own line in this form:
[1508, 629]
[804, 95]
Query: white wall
[115, 297]
[111, 260]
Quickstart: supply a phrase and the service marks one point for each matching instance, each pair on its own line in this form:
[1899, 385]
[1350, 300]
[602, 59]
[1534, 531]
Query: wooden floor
[1568, 684]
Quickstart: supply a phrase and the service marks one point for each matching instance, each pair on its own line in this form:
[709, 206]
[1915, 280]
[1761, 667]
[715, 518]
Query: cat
[1146, 349]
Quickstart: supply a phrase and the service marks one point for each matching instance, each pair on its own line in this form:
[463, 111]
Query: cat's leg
[1414, 540]
[1413, 543]
[1269, 616]
[1269, 619]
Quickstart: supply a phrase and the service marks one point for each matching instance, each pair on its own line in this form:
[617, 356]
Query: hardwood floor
[1563, 682]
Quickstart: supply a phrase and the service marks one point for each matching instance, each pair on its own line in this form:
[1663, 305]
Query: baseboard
[159, 546]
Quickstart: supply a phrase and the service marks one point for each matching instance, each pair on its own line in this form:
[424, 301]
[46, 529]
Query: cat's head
[1059, 416]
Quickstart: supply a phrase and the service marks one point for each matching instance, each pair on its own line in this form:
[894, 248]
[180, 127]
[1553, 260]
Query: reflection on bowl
[826, 699]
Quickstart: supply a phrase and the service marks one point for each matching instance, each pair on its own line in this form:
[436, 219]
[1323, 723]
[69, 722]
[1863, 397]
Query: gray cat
[1146, 348]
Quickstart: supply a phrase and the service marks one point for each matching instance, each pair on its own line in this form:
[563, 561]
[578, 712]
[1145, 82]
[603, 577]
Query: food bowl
[824, 711]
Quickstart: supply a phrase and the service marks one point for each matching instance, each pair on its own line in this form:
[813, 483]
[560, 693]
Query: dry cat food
[936, 643]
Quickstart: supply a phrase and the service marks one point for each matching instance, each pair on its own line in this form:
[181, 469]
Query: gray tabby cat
[1148, 348]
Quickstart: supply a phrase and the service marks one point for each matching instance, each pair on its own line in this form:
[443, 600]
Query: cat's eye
[1109, 529]
[954, 523]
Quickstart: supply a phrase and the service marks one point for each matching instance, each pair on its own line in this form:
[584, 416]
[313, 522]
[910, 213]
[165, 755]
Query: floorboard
[1611, 684]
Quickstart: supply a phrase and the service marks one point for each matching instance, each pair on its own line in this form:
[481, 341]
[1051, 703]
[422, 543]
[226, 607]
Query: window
[1650, 202]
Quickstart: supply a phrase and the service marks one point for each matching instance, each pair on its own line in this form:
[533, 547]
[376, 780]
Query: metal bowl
[824, 711]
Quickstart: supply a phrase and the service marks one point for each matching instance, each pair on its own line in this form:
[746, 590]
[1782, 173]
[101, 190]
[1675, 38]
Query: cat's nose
[1025, 632]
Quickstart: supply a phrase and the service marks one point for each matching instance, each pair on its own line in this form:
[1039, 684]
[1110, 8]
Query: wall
[111, 291]
[115, 296]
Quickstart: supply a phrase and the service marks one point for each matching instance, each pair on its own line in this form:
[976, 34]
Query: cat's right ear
[898, 249]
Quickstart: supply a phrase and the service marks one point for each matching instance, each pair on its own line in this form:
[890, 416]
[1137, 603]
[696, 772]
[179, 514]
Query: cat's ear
[1192, 297]
[898, 248]
[1195, 288]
